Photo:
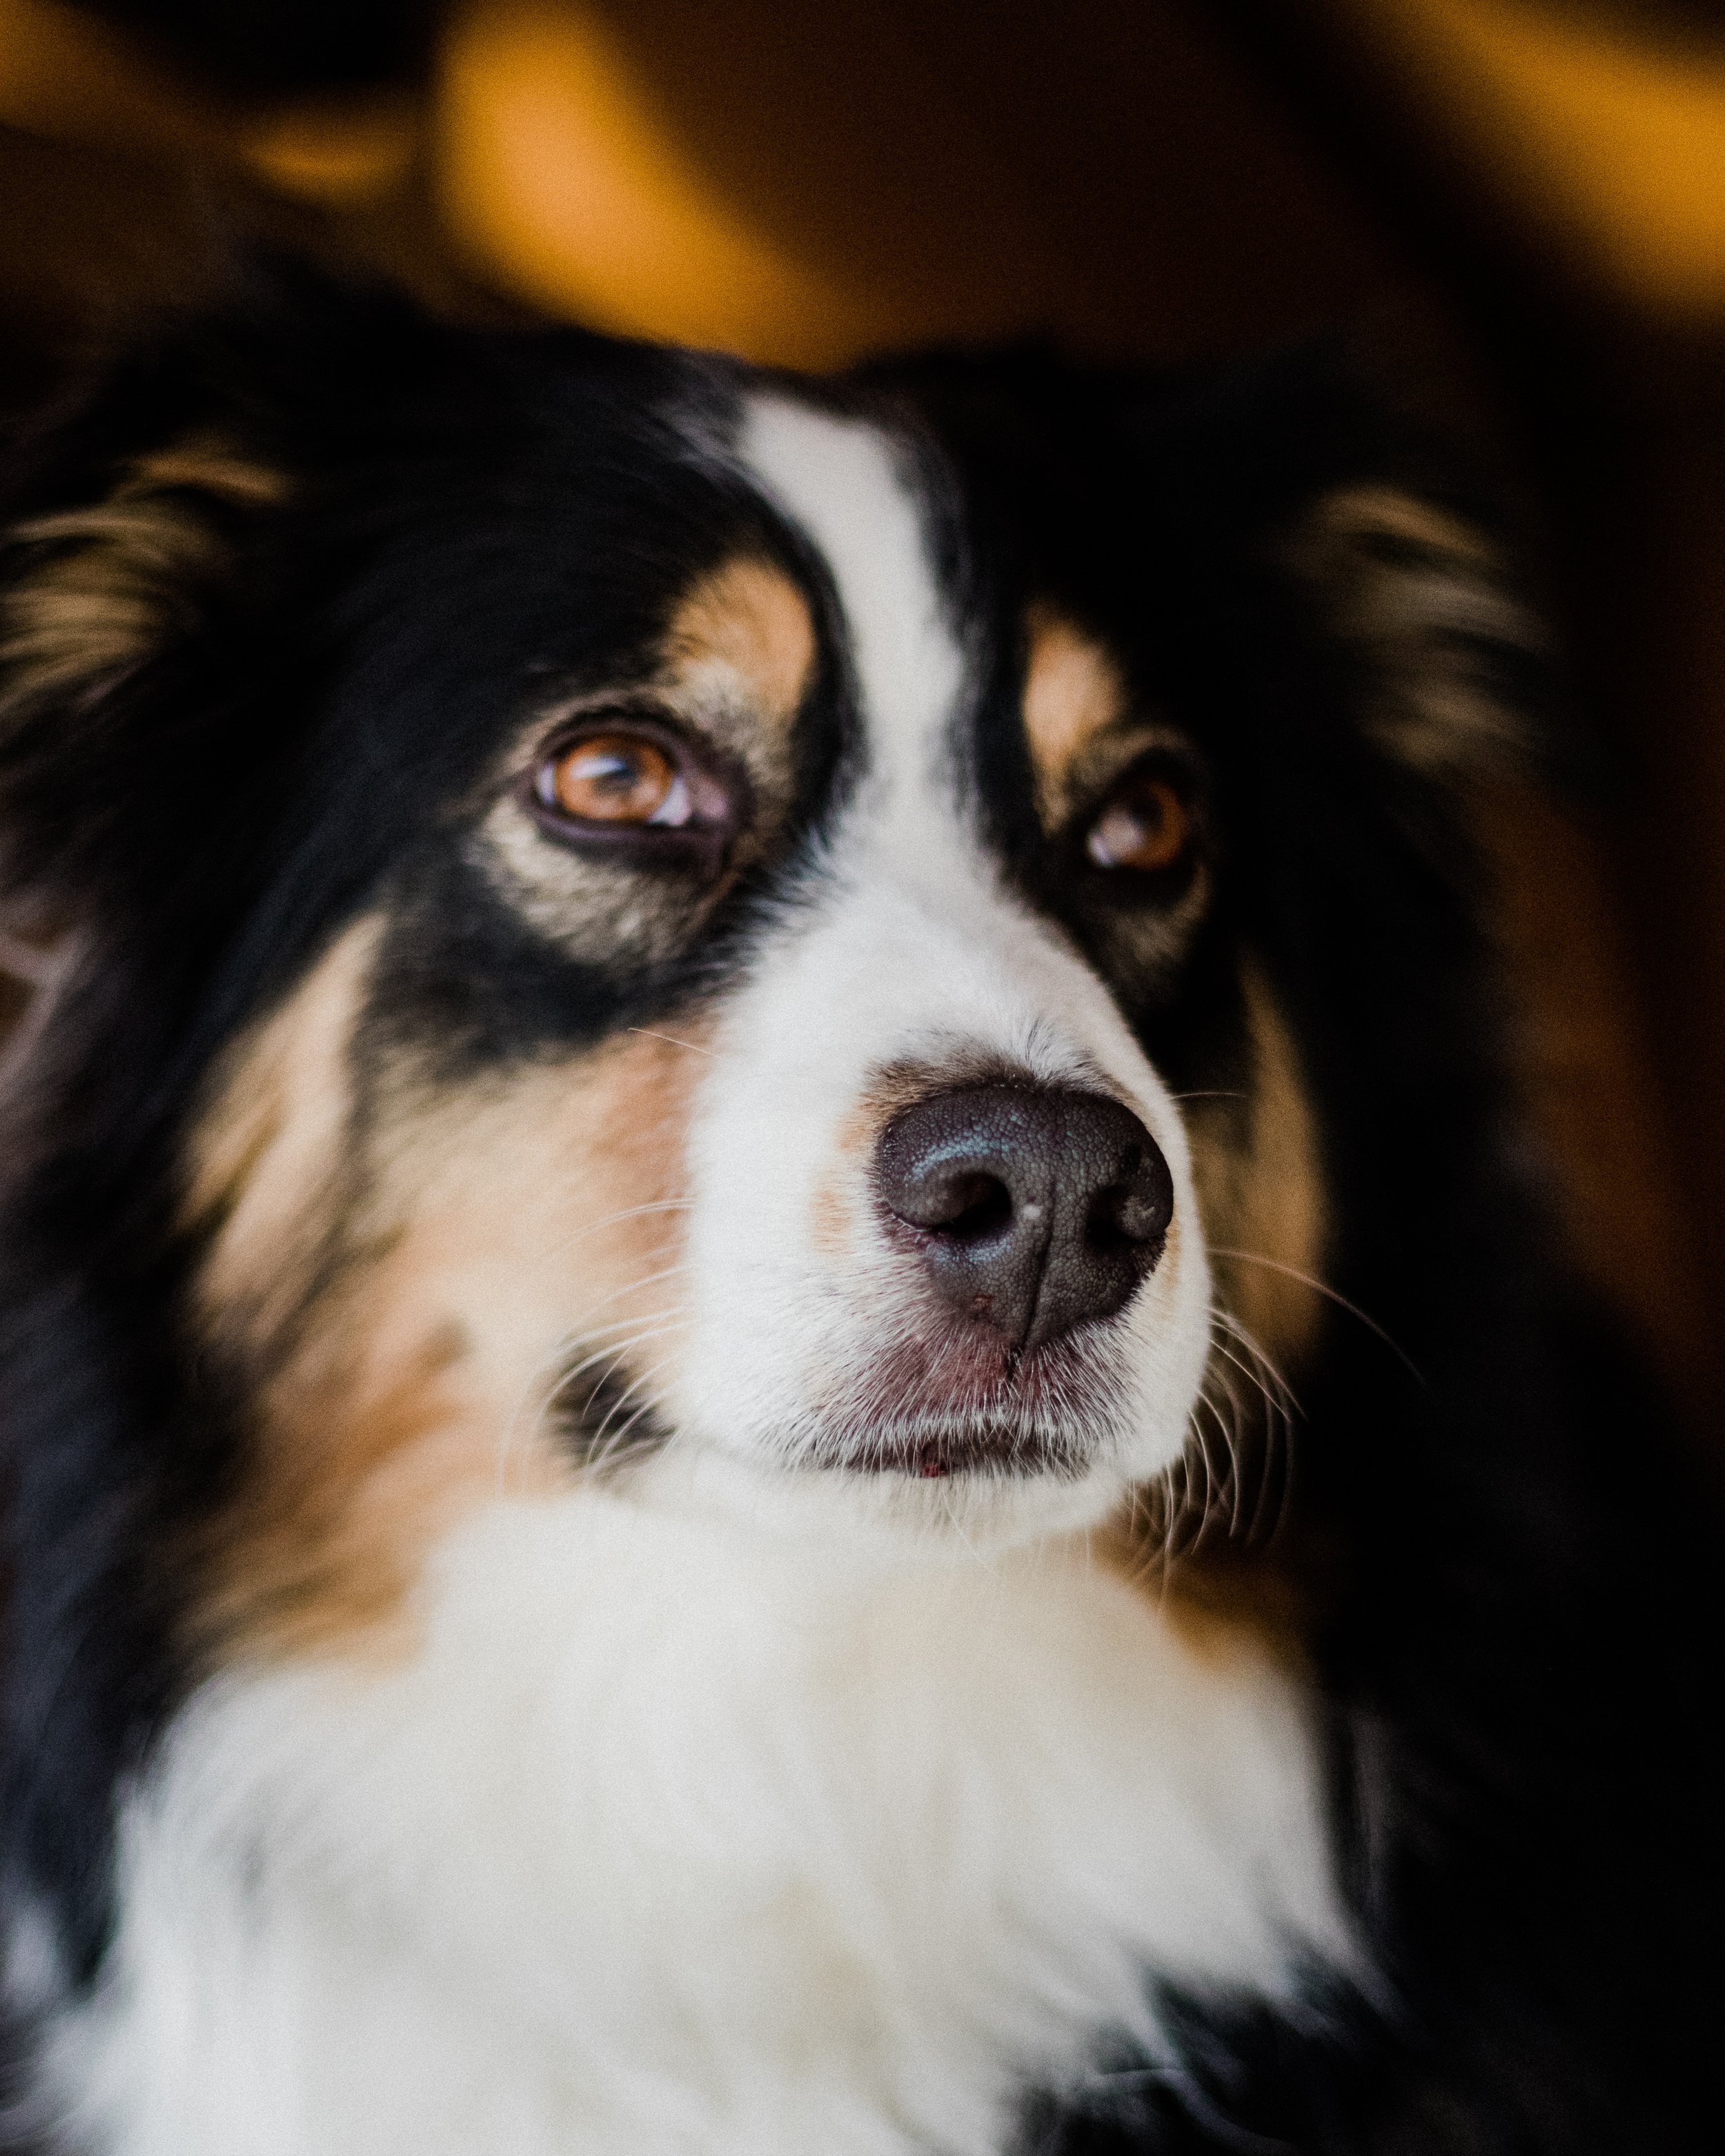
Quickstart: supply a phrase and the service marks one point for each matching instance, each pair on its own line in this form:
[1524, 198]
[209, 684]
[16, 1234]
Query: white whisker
[1322, 1288]
[612, 1219]
[694, 1048]
[539, 1396]
[608, 1443]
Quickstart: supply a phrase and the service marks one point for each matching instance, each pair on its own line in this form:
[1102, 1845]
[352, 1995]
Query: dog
[782, 1372]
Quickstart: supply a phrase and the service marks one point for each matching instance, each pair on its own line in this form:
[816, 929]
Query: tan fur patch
[121, 573]
[1226, 1600]
[1357, 516]
[321, 1548]
[487, 1236]
[1073, 693]
[270, 1163]
[36, 960]
[749, 618]
[840, 1194]
[1206, 1545]
[1261, 1191]
[1420, 597]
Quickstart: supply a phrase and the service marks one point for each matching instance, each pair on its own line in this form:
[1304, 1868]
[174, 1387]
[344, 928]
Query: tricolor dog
[780, 1374]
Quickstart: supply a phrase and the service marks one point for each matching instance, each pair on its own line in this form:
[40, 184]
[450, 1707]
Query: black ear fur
[1393, 533]
[152, 523]
[1450, 659]
[93, 596]
[96, 591]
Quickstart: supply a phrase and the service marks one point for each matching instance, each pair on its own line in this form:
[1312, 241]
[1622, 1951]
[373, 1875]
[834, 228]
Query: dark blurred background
[1515, 207]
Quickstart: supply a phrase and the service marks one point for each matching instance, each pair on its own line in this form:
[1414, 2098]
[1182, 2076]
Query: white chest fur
[671, 1835]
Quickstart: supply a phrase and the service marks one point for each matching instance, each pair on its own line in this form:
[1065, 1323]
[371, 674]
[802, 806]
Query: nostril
[1037, 1209]
[980, 1206]
[1132, 1214]
[944, 1198]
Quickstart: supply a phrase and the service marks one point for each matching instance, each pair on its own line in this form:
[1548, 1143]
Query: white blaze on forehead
[844, 482]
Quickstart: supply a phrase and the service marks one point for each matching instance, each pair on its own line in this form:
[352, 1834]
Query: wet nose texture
[1034, 1210]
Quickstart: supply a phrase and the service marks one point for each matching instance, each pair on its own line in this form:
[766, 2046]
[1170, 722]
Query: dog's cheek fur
[402, 1353]
[269, 1156]
[1258, 1163]
[1206, 1541]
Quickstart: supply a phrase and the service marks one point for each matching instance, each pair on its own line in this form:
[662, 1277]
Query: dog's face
[729, 971]
[701, 1087]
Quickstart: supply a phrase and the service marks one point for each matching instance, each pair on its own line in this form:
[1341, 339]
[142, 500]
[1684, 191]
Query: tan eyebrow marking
[750, 617]
[1073, 690]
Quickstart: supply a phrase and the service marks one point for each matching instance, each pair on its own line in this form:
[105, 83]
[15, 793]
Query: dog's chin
[953, 1488]
[955, 1447]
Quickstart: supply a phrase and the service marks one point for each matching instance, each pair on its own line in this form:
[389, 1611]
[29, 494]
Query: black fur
[1515, 1639]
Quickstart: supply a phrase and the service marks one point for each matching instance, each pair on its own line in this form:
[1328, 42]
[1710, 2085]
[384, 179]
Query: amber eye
[616, 778]
[1146, 825]
[639, 789]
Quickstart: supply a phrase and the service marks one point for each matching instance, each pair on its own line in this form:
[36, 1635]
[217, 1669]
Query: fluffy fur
[530, 1631]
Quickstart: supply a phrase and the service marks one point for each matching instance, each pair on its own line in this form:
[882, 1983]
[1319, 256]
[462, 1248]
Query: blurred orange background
[1518, 205]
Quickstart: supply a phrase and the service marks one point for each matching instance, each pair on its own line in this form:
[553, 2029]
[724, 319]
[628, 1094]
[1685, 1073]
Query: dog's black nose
[1037, 1210]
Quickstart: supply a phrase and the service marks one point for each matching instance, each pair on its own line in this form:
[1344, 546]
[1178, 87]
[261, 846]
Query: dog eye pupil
[616, 778]
[1146, 826]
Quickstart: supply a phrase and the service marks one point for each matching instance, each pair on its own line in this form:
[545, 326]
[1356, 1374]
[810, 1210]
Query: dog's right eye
[632, 783]
[1147, 825]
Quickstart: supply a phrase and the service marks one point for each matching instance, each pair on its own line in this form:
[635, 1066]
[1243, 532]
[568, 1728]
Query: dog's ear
[1300, 464]
[1391, 514]
[119, 567]
[112, 567]
[94, 593]
[137, 512]
[1452, 664]
[1388, 512]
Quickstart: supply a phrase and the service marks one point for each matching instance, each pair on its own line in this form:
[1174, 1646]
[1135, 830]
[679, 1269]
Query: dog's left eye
[631, 782]
[616, 778]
